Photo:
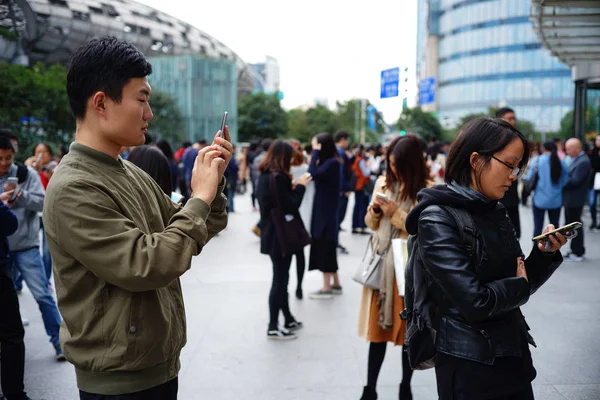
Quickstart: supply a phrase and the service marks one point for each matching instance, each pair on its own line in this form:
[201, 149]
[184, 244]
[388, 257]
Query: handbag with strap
[290, 230]
[530, 184]
[370, 268]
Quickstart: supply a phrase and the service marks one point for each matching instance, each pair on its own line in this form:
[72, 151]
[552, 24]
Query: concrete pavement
[227, 356]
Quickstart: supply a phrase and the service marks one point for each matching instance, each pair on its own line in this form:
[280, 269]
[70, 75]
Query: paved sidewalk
[228, 358]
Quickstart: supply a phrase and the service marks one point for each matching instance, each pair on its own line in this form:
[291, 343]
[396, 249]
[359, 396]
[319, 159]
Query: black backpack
[421, 312]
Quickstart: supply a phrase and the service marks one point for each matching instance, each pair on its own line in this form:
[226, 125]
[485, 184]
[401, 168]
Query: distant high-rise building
[485, 53]
[266, 75]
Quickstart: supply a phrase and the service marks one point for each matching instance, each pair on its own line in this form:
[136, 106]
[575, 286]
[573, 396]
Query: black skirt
[323, 256]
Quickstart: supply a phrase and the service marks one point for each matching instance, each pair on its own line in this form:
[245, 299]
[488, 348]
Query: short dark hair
[103, 64]
[8, 134]
[46, 145]
[341, 135]
[501, 112]
[278, 158]
[266, 144]
[148, 139]
[485, 136]
[152, 161]
[6, 144]
[202, 142]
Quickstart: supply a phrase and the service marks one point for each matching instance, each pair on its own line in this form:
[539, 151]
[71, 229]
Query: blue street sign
[427, 91]
[389, 82]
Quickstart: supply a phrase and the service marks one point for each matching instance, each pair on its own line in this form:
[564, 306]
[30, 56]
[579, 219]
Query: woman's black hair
[555, 164]
[152, 161]
[485, 136]
[328, 149]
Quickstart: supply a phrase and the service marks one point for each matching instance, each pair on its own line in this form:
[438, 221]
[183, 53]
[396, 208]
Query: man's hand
[6, 196]
[521, 271]
[206, 175]
[226, 148]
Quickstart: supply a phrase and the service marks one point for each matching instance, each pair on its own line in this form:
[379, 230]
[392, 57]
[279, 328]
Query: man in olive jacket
[118, 243]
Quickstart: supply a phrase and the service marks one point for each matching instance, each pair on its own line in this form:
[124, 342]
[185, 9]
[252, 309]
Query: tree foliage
[168, 121]
[34, 105]
[261, 116]
[415, 120]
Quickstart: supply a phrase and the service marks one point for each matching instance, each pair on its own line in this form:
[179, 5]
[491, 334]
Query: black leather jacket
[478, 298]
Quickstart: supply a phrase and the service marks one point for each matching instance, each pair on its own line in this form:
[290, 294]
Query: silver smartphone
[14, 182]
[223, 123]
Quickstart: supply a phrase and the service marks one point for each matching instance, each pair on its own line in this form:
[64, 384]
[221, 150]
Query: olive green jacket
[119, 246]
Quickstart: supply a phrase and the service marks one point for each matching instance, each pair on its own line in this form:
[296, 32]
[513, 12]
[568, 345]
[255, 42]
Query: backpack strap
[22, 173]
[466, 227]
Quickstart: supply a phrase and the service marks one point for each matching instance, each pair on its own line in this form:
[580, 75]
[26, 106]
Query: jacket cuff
[197, 207]
[510, 293]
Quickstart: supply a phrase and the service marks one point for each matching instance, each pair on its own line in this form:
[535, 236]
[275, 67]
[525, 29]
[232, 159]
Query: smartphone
[223, 123]
[381, 196]
[306, 175]
[562, 230]
[14, 183]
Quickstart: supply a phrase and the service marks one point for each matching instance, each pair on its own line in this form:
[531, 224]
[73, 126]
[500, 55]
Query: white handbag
[597, 181]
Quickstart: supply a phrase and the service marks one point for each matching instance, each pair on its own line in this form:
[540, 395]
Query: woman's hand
[388, 206]
[315, 144]
[556, 241]
[303, 180]
[521, 271]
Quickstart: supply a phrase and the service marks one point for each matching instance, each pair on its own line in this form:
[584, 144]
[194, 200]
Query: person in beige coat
[379, 318]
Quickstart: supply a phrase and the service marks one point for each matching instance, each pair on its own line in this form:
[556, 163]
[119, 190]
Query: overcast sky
[332, 49]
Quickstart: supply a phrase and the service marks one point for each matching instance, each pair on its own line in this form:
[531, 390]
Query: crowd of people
[120, 217]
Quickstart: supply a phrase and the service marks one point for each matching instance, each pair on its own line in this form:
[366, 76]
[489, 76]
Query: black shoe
[299, 294]
[293, 326]
[369, 394]
[405, 393]
[280, 334]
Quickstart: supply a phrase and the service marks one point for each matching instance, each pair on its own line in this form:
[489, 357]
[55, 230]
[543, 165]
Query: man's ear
[98, 103]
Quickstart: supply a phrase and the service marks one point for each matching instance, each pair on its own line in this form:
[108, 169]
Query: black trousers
[342, 208]
[11, 339]
[166, 391]
[278, 297]
[573, 214]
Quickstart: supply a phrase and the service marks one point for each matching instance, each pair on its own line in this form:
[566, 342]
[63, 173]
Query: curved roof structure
[570, 29]
[50, 30]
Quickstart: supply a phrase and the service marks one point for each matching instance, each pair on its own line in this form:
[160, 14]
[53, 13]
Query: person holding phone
[275, 190]
[482, 339]
[118, 242]
[395, 194]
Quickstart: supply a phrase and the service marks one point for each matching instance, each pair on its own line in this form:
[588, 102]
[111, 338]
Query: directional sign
[427, 91]
[389, 82]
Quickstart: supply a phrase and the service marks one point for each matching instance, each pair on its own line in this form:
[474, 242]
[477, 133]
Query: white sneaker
[574, 258]
[24, 321]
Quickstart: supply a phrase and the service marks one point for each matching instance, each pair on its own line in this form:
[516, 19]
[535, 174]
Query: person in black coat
[482, 339]
[275, 189]
[12, 333]
[595, 160]
[325, 170]
[511, 197]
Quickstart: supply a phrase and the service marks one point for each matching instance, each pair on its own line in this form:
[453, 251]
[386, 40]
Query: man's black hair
[7, 133]
[104, 64]
[501, 112]
[341, 135]
[6, 144]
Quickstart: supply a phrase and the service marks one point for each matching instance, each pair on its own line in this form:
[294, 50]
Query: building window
[81, 16]
[96, 10]
[144, 31]
[60, 3]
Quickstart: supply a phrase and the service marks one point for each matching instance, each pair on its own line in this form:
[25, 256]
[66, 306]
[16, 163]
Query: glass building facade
[489, 55]
[203, 89]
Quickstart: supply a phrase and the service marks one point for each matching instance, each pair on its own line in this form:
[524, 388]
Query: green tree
[567, 123]
[34, 105]
[321, 119]
[417, 121]
[298, 125]
[168, 121]
[261, 116]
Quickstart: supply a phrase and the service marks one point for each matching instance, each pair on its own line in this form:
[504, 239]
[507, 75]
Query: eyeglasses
[514, 171]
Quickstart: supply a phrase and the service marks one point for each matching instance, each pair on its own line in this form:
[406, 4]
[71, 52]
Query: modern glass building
[485, 53]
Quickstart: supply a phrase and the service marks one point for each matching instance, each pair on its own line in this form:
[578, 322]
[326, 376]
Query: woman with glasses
[476, 292]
